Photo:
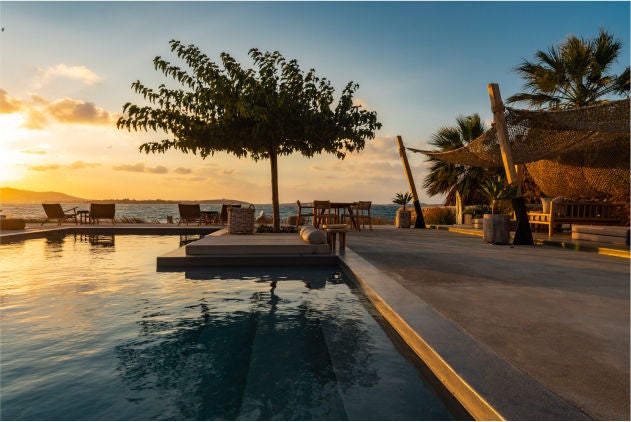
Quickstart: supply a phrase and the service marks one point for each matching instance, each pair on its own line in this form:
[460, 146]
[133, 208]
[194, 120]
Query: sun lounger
[55, 212]
[102, 211]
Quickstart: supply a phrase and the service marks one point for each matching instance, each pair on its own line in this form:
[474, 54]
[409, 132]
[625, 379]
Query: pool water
[91, 331]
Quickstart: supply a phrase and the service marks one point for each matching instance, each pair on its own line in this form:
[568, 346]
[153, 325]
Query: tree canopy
[574, 74]
[273, 110]
[447, 178]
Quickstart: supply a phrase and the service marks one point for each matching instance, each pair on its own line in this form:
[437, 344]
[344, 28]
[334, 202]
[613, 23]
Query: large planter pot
[403, 219]
[496, 228]
[468, 219]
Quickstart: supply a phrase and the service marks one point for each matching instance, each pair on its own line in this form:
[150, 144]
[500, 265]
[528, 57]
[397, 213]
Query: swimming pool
[91, 331]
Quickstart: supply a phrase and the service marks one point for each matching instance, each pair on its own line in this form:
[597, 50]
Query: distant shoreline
[11, 196]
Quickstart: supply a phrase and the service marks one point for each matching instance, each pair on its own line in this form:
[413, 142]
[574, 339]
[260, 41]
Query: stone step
[616, 235]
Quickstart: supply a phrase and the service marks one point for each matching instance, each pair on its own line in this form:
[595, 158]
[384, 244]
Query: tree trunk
[273, 159]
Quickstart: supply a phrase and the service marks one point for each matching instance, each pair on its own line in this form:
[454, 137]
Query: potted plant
[496, 227]
[404, 217]
[467, 215]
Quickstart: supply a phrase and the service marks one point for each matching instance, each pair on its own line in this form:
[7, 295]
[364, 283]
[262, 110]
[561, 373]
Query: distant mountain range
[10, 195]
[18, 196]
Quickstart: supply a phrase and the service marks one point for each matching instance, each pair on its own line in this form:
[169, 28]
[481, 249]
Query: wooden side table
[84, 216]
[332, 232]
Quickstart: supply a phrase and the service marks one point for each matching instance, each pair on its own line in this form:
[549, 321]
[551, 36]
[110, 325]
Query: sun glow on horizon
[14, 155]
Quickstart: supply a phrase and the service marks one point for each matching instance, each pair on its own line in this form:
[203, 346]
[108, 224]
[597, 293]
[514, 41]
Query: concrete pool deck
[539, 332]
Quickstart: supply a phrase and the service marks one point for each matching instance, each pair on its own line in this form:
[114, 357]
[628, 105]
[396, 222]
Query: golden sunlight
[15, 154]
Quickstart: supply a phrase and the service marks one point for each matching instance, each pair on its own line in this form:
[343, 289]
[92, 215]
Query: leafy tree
[447, 178]
[573, 74]
[267, 112]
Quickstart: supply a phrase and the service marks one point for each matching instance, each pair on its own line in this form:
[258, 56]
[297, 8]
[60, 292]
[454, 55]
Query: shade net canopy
[581, 152]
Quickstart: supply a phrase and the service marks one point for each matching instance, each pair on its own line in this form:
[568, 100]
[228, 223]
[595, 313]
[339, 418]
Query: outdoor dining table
[339, 208]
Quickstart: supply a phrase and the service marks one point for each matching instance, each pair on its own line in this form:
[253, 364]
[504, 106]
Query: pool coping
[487, 386]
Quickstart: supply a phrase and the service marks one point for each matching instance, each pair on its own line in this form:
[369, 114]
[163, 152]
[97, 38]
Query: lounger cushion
[312, 235]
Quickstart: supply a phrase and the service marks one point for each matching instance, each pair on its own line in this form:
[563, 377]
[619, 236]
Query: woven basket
[241, 220]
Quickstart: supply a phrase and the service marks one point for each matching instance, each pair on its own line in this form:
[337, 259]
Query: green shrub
[437, 215]
[477, 210]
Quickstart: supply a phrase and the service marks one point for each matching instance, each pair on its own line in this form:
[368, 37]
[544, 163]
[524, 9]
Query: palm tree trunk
[273, 159]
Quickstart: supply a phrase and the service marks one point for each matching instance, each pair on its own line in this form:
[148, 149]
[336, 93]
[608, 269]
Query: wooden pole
[523, 235]
[420, 221]
[458, 208]
[497, 107]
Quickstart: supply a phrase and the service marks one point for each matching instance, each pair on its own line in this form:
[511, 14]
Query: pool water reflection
[91, 331]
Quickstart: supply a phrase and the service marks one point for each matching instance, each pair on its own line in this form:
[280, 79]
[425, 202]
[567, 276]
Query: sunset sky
[66, 70]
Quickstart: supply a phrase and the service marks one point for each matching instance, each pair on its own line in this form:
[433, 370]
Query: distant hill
[17, 196]
[10, 195]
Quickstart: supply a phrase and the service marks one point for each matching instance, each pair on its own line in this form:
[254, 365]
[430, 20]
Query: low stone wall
[12, 224]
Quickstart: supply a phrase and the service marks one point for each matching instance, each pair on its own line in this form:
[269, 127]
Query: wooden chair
[223, 214]
[322, 213]
[55, 212]
[102, 211]
[305, 210]
[362, 214]
[189, 213]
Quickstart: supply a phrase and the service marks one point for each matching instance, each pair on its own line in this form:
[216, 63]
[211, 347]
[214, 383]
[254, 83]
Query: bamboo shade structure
[581, 152]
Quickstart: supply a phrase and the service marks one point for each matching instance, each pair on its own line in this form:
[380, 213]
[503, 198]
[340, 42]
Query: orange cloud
[157, 170]
[46, 167]
[141, 168]
[182, 170]
[77, 165]
[226, 172]
[8, 104]
[34, 152]
[35, 119]
[67, 110]
[39, 112]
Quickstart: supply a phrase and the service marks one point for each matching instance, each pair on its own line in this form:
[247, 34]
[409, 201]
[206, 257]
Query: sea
[159, 212]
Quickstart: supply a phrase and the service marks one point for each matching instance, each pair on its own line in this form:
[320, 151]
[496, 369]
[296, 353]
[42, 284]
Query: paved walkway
[560, 317]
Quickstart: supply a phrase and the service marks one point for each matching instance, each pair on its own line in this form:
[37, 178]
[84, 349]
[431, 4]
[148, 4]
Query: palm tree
[574, 74]
[447, 178]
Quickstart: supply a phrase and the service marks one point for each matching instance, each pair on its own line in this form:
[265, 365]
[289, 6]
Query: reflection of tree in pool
[253, 364]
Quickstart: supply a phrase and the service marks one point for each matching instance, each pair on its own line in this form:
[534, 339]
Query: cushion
[303, 228]
[334, 226]
[263, 219]
[312, 235]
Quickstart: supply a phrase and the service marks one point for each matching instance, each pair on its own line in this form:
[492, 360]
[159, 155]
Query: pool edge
[467, 396]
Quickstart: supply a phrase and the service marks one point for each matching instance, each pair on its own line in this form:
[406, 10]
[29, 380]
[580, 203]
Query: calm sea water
[150, 212]
[90, 331]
